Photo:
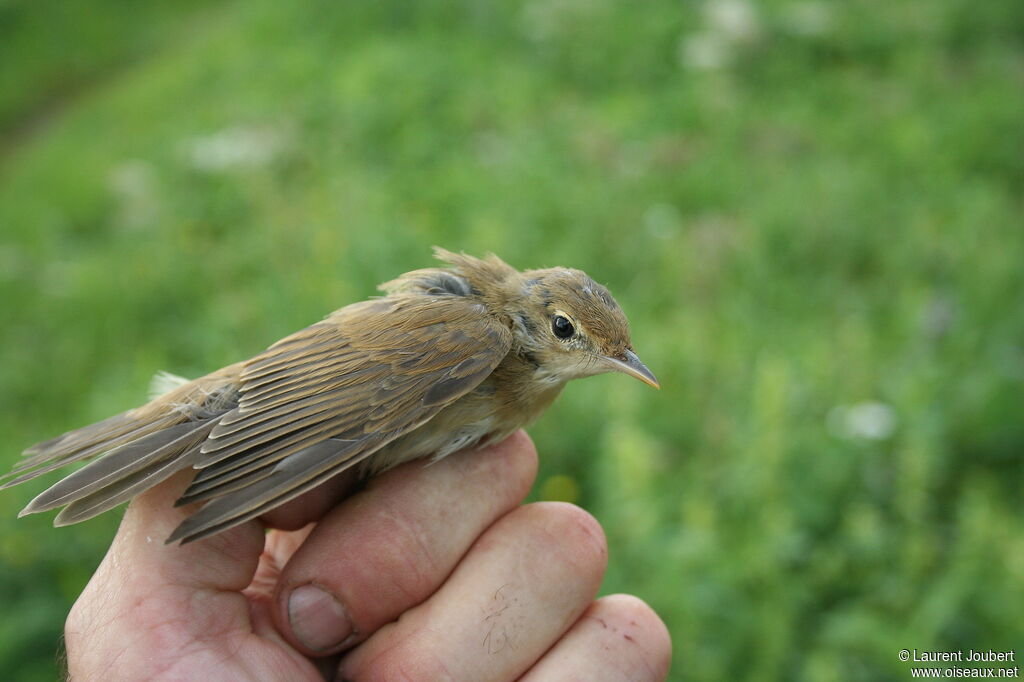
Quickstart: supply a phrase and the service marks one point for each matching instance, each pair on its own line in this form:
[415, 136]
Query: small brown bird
[450, 358]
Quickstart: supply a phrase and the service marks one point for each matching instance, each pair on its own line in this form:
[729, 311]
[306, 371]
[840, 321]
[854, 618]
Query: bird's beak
[629, 363]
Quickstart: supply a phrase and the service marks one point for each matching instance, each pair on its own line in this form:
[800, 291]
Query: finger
[225, 561]
[619, 638]
[144, 589]
[392, 545]
[520, 587]
[278, 549]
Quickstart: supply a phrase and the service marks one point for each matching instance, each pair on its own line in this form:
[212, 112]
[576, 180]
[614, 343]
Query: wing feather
[255, 470]
[306, 413]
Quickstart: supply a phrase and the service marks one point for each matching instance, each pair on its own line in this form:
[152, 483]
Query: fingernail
[318, 619]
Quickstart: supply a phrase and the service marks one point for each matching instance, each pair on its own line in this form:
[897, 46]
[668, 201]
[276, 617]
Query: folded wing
[329, 396]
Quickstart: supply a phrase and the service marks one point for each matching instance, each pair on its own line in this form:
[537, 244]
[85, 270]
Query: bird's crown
[562, 320]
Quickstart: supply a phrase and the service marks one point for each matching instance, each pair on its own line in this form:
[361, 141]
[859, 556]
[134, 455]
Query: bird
[448, 358]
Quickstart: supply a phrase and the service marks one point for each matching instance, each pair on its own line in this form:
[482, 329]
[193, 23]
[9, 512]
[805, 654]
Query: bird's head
[571, 327]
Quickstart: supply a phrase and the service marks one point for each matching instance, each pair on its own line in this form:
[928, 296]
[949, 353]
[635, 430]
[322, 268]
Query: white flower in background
[236, 147]
[727, 25]
[704, 51]
[869, 420]
[735, 20]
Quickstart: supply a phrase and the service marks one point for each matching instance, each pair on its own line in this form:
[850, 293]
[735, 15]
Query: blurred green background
[811, 211]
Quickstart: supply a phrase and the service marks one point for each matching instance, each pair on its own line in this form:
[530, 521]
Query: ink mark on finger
[502, 621]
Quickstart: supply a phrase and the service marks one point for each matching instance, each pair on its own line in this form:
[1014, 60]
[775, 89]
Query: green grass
[829, 216]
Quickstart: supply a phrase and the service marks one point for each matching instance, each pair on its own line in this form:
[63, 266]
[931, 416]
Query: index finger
[389, 547]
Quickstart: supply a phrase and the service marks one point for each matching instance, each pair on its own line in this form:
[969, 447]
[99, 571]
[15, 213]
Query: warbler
[449, 358]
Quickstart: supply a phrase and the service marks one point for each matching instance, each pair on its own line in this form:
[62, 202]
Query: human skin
[426, 573]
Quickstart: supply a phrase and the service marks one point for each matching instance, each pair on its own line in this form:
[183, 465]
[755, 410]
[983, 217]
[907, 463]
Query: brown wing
[327, 397]
[130, 451]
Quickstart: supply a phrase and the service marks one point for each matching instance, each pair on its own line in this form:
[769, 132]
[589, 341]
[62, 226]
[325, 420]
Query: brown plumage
[449, 358]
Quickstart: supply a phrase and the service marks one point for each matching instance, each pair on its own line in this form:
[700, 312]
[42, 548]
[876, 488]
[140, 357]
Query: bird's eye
[562, 327]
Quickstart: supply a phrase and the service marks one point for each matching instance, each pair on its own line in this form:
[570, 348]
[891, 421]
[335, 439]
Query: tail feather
[78, 439]
[132, 451]
[66, 441]
[124, 489]
[77, 447]
[142, 454]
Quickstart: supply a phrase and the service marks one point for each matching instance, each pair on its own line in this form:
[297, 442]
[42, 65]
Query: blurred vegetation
[810, 210]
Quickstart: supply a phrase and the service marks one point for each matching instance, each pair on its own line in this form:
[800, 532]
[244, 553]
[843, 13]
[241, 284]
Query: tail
[131, 451]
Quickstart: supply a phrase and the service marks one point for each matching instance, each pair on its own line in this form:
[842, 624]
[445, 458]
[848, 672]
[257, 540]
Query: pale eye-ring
[562, 327]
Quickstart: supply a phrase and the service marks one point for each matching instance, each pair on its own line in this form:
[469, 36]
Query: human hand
[429, 573]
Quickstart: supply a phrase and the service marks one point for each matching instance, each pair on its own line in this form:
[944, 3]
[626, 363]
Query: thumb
[226, 561]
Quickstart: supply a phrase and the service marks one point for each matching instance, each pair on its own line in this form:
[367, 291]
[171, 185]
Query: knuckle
[403, 555]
